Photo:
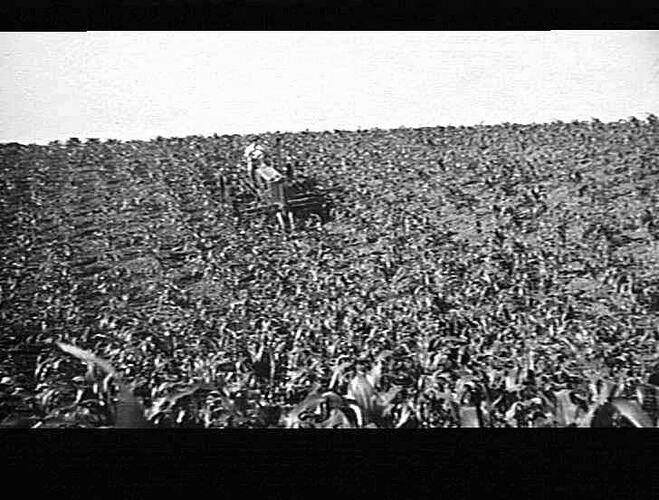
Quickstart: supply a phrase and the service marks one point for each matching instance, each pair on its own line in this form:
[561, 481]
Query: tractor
[263, 185]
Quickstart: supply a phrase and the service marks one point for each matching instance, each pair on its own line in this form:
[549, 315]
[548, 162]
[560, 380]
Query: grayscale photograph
[329, 230]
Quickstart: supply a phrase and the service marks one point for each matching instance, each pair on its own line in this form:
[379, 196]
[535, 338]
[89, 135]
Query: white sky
[134, 85]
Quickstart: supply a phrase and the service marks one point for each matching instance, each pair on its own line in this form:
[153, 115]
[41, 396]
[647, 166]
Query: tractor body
[262, 189]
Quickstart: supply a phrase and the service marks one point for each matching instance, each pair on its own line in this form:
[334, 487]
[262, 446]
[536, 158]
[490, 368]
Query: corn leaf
[86, 356]
[565, 411]
[169, 402]
[384, 399]
[361, 390]
[130, 412]
[336, 374]
[336, 420]
[312, 400]
[375, 374]
[469, 417]
[633, 412]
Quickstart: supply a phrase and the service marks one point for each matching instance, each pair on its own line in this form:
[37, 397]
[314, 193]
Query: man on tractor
[266, 178]
[255, 156]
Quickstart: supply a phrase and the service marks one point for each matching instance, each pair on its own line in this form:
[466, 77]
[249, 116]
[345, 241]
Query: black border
[406, 464]
[400, 464]
[84, 15]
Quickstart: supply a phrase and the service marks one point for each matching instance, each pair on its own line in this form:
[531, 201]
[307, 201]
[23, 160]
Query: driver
[255, 155]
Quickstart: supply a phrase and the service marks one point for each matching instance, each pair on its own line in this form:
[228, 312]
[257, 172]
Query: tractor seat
[269, 174]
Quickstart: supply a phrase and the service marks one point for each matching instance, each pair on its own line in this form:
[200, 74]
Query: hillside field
[497, 276]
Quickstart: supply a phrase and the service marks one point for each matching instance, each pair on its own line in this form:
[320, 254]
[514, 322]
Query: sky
[138, 85]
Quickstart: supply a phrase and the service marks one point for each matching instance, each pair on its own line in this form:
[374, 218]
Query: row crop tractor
[261, 184]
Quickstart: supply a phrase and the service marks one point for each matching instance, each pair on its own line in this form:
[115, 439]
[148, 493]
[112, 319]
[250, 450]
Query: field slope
[495, 268]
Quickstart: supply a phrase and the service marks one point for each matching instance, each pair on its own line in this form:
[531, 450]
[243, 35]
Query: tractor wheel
[280, 220]
[291, 220]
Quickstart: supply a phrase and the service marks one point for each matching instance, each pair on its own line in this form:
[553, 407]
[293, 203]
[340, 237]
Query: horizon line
[482, 123]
